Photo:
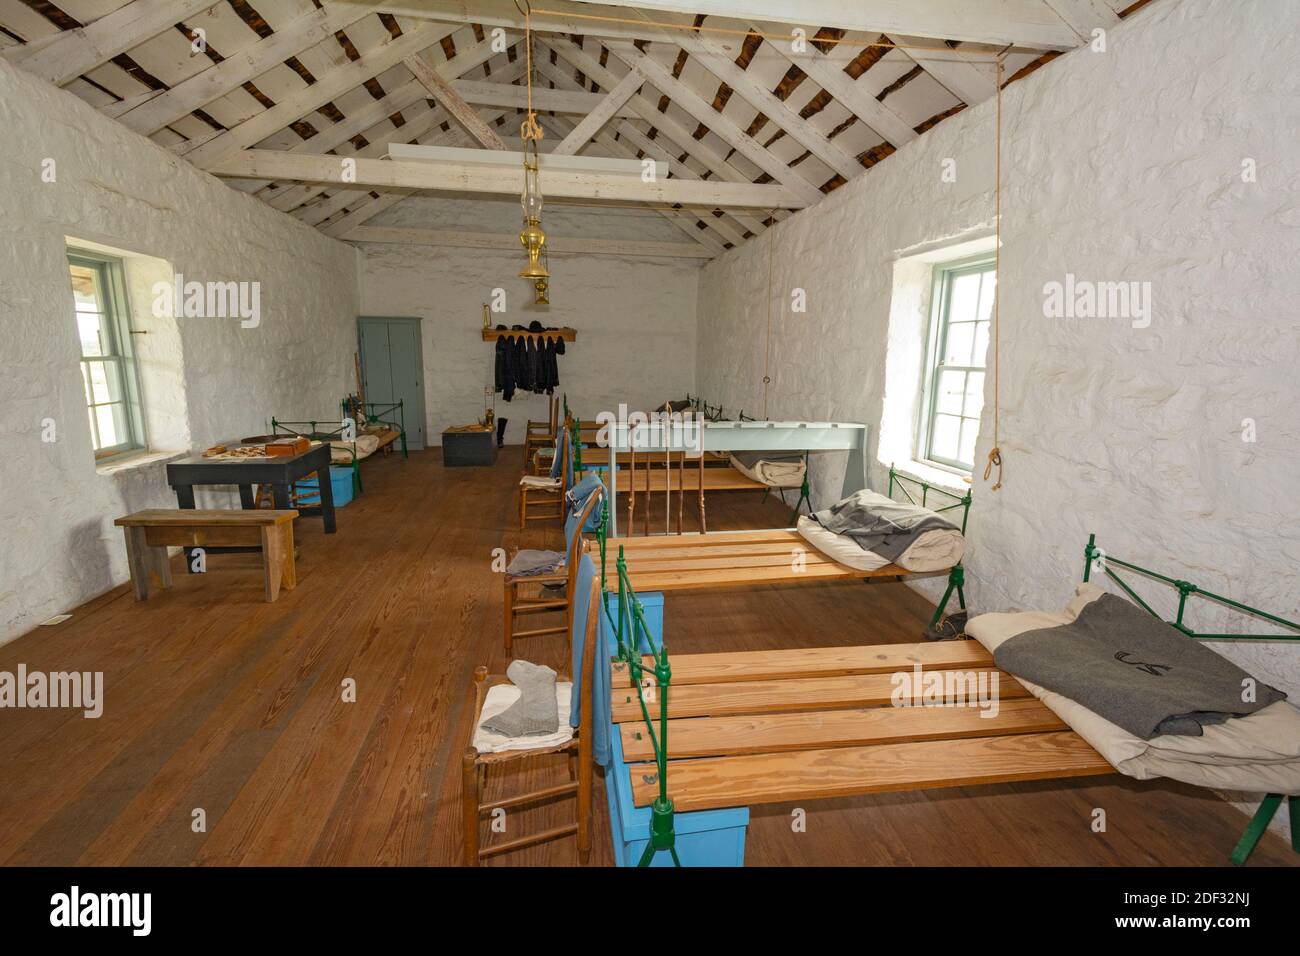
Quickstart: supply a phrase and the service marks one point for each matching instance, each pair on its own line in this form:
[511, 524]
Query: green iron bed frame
[627, 621]
[1098, 558]
[374, 413]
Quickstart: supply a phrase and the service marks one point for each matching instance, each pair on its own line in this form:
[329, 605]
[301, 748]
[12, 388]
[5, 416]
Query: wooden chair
[525, 595]
[542, 504]
[475, 766]
[540, 434]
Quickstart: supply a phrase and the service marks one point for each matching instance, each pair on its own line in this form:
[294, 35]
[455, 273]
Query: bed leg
[1258, 824]
[1293, 805]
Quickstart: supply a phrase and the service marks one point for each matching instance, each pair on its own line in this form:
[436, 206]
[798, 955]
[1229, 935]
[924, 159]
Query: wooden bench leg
[162, 566]
[272, 561]
[288, 566]
[139, 561]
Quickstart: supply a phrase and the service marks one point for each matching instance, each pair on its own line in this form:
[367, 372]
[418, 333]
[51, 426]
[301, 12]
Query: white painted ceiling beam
[686, 219]
[671, 130]
[718, 224]
[643, 106]
[694, 104]
[718, 56]
[971, 78]
[240, 67]
[1002, 22]
[602, 114]
[79, 50]
[501, 92]
[439, 85]
[471, 177]
[310, 98]
[830, 76]
[555, 245]
[1084, 16]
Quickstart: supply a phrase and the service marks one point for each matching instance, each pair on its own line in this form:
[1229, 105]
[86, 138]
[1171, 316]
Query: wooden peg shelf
[491, 335]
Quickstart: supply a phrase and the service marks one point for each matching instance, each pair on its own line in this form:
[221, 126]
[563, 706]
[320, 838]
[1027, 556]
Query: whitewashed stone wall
[1124, 165]
[116, 188]
[635, 318]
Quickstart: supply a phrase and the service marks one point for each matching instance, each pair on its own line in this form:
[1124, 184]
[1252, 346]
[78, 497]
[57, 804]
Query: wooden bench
[150, 533]
[770, 726]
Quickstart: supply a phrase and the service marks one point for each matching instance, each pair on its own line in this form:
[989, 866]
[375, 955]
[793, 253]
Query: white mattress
[1259, 753]
[936, 550]
[341, 451]
[777, 474]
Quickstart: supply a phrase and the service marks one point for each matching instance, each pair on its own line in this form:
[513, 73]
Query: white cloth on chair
[539, 481]
[501, 696]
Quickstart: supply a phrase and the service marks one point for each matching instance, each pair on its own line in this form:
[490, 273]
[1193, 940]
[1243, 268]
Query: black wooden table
[280, 472]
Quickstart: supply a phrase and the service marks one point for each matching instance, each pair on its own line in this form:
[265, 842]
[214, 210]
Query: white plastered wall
[1122, 165]
[115, 188]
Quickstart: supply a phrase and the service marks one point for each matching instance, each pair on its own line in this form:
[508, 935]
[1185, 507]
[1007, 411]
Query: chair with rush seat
[540, 498]
[524, 594]
[578, 747]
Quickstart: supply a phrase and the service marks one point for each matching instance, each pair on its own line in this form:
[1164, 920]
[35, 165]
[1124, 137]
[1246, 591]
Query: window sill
[935, 476]
[141, 460]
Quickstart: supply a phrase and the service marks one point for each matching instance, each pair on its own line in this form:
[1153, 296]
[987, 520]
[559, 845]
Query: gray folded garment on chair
[1135, 670]
[880, 524]
[537, 711]
[529, 562]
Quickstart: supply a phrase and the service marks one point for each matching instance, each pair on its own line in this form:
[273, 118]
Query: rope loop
[995, 459]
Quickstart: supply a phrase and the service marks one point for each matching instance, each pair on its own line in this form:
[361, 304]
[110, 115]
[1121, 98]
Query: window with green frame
[108, 369]
[959, 339]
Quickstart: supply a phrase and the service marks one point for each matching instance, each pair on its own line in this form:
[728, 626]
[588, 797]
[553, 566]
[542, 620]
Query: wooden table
[280, 472]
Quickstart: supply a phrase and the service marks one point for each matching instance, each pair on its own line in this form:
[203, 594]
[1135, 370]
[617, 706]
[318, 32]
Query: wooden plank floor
[218, 701]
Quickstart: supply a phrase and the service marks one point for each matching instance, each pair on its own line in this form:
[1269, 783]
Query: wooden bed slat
[818, 730]
[748, 780]
[774, 696]
[815, 662]
[727, 559]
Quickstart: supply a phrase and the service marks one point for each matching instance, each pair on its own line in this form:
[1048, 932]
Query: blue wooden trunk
[704, 837]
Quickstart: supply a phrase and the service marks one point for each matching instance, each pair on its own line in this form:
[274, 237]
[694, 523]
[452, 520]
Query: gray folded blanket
[1135, 670]
[751, 458]
[879, 524]
[529, 562]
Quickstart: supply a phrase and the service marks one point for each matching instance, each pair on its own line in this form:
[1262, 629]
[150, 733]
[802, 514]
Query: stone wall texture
[113, 187]
[1122, 165]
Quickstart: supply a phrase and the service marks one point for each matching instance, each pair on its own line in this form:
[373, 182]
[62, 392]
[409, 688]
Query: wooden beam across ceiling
[309, 98]
[280, 165]
[221, 78]
[79, 50]
[555, 245]
[1001, 22]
